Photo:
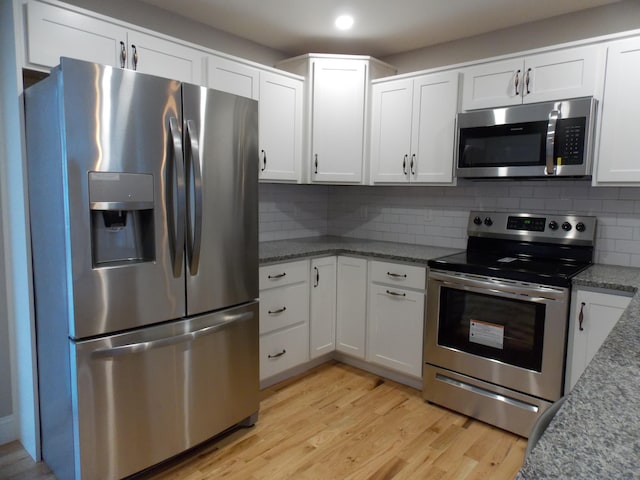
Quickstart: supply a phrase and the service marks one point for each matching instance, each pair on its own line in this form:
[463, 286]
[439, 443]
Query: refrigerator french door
[143, 211]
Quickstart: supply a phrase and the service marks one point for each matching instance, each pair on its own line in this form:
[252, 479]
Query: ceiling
[382, 27]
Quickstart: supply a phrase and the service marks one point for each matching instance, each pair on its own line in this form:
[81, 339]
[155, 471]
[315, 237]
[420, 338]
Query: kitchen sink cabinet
[53, 32]
[351, 306]
[323, 306]
[558, 75]
[413, 129]
[280, 112]
[395, 319]
[593, 316]
[284, 317]
[336, 105]
[618, 148]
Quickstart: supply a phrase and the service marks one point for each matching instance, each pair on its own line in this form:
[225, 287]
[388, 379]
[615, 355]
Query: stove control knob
[581, 227]
[477, 221]
[553, 225]
[488, 222]
[566, 226]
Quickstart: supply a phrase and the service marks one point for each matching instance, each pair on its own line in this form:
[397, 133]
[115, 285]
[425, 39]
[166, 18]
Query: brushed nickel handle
[135, 57]
[397, 275]
[279, 310]
[279, 275]
[123, 55]
[517, 82]
[277, 354]
[390, 292]
[527, 80]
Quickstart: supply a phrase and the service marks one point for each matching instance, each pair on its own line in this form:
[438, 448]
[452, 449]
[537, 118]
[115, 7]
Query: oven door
[504, 332]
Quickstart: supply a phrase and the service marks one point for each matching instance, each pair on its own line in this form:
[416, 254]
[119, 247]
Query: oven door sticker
[485, 333]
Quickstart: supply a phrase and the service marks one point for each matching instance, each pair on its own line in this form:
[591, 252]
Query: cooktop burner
[544, 249]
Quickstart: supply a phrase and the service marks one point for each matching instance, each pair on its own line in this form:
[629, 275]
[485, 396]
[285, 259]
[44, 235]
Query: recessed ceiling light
[344, 22]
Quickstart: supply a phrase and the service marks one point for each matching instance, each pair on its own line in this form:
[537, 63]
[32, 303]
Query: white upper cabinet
[280, 116]
[413, 129]
[164, 58]
[336, 104]
[568, 73]
[618, 155]
[233, 77]
[54, 32]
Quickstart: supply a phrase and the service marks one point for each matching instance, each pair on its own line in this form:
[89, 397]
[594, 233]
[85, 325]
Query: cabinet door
[164, 58]
[619, 160]
[323, 306]
[564, 74]
[395, 326]
[600, 313]
[338, 120]
[54, 32]
[391, 109]
[493, 84]
[435, 105]
[351, 306]
[280, 127]
[233, 77]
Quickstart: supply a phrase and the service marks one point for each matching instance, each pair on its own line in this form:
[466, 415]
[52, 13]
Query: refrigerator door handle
[176, 227]
[139, 347]
[194, 235]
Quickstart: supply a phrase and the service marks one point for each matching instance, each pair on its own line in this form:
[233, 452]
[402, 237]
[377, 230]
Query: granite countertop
[596, 432]
[284, 250]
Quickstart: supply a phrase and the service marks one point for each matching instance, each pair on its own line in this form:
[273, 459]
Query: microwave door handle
[195, 236]
[176, 226]
[550, 169]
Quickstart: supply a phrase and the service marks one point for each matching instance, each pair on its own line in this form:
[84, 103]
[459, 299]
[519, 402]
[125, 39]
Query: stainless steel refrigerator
[143, 210]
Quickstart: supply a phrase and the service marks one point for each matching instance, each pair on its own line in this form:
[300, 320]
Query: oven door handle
[539, 293]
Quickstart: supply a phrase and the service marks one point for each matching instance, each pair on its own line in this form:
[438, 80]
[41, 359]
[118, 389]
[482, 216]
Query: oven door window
[489, 326]
[513, 145]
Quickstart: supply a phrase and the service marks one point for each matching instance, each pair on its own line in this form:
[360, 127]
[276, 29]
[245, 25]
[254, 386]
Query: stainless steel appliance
[143, 205]
[497, 316]
[551, 139]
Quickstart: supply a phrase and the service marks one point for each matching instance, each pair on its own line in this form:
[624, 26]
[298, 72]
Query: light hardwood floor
[338, 422]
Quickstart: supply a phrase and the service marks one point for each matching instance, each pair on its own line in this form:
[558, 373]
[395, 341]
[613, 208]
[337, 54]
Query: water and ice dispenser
[122, 226]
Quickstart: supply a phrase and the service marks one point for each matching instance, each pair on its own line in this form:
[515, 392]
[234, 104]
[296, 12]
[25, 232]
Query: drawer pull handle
[277, 354]
[317, 277]
[273, 312]
[397, 275]
[396, 293]
[280, 275]
[581, 316]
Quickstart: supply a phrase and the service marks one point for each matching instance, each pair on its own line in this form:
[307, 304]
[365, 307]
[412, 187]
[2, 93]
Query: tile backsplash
[438, 215]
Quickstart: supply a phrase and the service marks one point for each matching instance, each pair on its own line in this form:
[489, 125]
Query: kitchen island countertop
[596, 432]
[285, 250]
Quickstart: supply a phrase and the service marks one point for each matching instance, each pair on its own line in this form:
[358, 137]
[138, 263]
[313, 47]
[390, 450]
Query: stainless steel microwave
[551, 139]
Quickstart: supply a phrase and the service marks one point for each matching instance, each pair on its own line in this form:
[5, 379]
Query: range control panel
[552, 228]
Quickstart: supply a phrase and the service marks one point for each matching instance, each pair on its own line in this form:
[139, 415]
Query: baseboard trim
[7, 429]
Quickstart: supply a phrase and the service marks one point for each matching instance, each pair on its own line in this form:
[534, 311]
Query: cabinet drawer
[284, 306]
[407, 276]
[280, 351]
[283, 274]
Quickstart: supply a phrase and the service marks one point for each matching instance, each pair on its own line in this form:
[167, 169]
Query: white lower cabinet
[323, 306]
[284, 317]
[593, 316]
[395, 318]
[351, 306]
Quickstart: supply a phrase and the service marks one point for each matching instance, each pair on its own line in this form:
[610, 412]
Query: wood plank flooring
[338, 422]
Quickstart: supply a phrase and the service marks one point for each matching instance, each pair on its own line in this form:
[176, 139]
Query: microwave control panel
[569, 141]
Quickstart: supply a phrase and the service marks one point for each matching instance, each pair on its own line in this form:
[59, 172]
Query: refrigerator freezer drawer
[147, 395]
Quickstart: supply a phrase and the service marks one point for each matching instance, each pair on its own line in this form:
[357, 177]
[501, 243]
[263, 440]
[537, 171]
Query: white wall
[612, 18]
[16, 240]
